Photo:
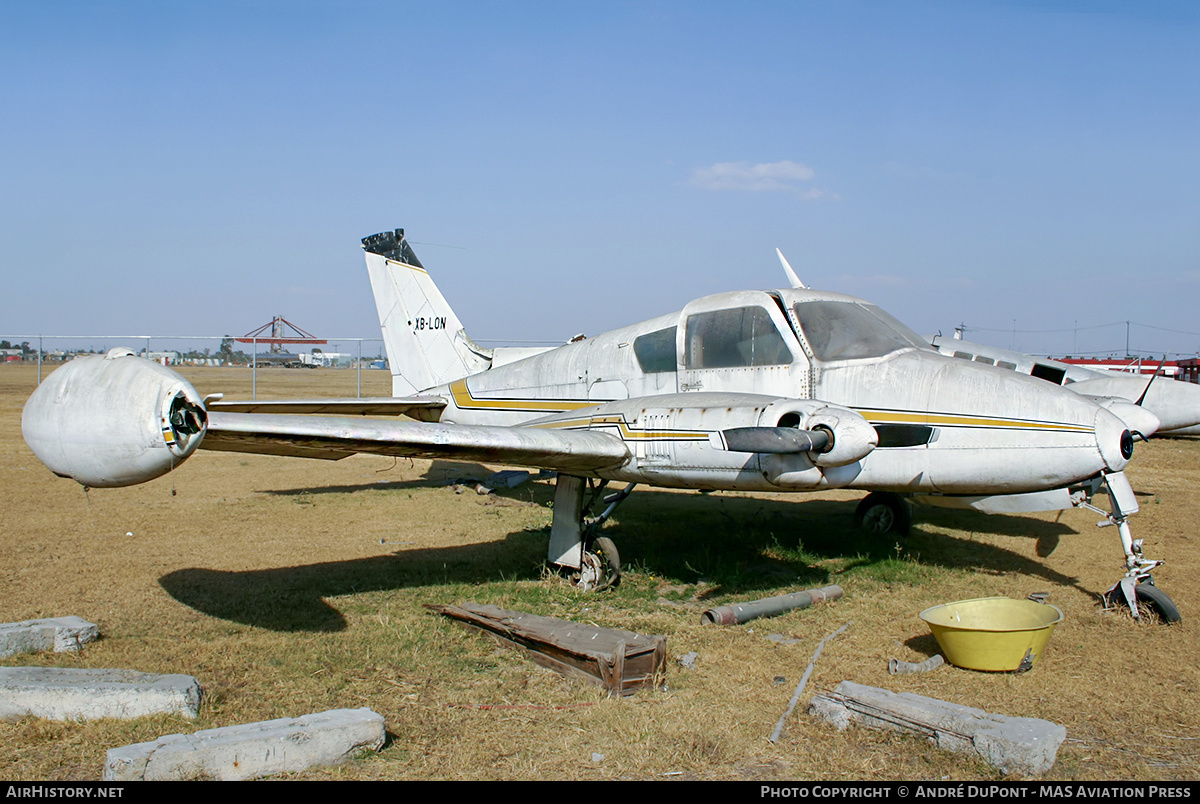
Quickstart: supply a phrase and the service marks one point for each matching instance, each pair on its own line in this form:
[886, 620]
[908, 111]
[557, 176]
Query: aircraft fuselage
[774, 358]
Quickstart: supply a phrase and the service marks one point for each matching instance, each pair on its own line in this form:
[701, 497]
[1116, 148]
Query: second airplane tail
[426, 343]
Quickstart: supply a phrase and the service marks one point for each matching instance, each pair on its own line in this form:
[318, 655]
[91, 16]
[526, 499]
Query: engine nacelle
[736, 441]
[853, 436]
[115, 420]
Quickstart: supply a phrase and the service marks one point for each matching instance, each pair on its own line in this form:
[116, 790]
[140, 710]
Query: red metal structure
[279, 335]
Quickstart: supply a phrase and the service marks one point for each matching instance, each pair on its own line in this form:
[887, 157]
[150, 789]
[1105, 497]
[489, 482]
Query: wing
[362, 406]
[336, 437]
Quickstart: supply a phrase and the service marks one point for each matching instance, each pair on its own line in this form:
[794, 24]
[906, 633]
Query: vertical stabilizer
[426, 344]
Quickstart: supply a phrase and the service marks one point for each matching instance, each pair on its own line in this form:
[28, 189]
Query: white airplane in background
[1176, 404]
[780, 390]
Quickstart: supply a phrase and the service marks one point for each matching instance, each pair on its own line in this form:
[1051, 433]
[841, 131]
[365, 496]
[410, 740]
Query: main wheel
[601, 567]
[881, 513]
[607, 550]
[1159, 604]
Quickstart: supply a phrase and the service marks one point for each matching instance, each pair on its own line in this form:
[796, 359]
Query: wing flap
[333, 438]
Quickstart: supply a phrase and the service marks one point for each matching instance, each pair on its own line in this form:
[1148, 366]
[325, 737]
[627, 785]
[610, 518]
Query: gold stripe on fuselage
[875, 416]
[463, 398]
[627, 432]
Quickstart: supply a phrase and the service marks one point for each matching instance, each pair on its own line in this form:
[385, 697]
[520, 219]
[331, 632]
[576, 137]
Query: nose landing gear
[1136, 590]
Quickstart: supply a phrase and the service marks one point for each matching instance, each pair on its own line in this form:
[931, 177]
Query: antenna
[795, 280]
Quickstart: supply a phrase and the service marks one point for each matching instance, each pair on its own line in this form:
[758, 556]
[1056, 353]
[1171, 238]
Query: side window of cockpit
[744, 336]
[655, 351]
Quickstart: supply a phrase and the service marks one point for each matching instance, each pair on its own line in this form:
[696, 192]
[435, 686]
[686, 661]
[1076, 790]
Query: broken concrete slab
[621, 662]
[59, 634]
[1021, 745]
[74, 694]
[251, 750]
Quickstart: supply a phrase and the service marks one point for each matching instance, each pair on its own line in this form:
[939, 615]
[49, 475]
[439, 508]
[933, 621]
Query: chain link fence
[50, 351]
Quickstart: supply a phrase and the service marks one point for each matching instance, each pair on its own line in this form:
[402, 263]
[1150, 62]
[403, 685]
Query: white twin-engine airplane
[780, 390]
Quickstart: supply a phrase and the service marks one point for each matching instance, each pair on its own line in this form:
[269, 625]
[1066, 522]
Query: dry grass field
[289, 586]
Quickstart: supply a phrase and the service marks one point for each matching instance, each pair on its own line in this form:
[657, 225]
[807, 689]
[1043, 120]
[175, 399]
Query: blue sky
[196, 168]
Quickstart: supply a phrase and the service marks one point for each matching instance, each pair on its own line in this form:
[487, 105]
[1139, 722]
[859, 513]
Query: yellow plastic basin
[992, 633]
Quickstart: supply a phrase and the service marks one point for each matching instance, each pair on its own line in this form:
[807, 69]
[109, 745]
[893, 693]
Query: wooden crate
[622, 662]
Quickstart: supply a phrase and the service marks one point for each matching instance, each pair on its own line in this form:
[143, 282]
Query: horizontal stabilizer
[359, 406]
[333, 438]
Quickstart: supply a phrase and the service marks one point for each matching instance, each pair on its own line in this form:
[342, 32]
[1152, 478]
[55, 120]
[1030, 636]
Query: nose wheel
[1146, 601]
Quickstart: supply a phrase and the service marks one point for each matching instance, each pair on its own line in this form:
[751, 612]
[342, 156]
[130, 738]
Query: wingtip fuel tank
[113, 420]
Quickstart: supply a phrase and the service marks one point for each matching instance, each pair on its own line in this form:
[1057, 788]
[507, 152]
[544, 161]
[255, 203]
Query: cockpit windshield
[839, 330]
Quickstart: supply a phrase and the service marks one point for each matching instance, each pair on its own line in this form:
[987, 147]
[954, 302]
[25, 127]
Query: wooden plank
[621, 662]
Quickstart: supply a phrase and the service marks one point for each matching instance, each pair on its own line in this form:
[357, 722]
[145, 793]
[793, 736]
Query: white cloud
[768, 176]
[816, 195]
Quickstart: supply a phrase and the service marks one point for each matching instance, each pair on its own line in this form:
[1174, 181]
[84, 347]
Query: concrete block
[54, 633]
[1023, 745]
[251, 750]
[73, 694]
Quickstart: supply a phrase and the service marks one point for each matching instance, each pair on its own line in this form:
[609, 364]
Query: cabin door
[741, 343]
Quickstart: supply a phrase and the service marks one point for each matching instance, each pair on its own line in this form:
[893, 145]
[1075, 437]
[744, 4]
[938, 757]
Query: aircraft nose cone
[1114, 440]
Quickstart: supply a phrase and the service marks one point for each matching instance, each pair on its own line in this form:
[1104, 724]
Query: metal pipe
[899, 668]
[770, 606]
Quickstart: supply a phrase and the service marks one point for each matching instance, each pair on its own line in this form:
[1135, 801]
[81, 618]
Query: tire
[607, 550]
[1158, 602]
[882, 513]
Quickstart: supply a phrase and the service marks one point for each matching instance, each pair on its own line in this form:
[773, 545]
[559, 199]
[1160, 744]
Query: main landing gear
[882, 513]
[590, 561]
[1136, 590]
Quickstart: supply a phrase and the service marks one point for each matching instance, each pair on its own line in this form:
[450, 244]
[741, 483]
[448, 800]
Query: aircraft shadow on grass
[736, 545]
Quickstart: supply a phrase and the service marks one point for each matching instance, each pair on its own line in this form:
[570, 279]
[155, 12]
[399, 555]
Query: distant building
[166, 358]
[1126, 365]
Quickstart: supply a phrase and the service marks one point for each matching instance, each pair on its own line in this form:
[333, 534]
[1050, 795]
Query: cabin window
[1048, 373]
[744, 336]
[964, 355]
[982, 359]
[655, 351]
[846, 330]
[1006, 365]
